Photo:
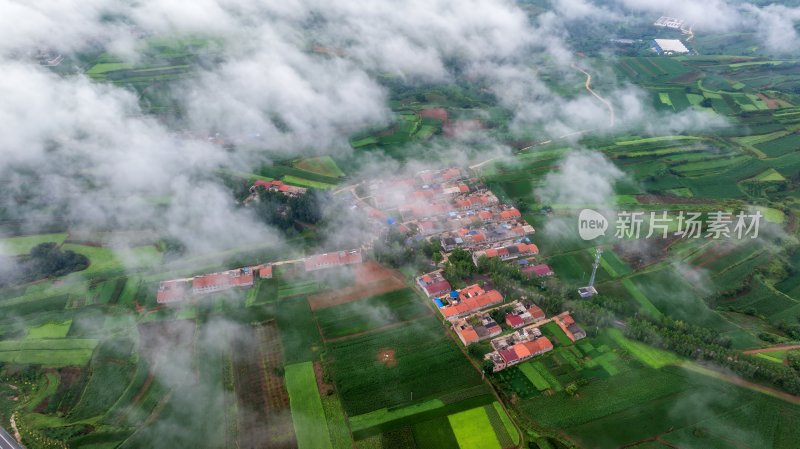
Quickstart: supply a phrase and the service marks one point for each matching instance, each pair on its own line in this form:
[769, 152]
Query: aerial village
[442, 204]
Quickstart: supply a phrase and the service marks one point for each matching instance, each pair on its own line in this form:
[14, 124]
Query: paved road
[7, 441]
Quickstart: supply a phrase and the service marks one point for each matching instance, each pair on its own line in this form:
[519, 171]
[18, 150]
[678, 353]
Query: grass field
[473, 430]
[49, 330]
[15, 246]
[640, 298]
[555, 334]
[47, 352]
[370, 313]
[308, 415]
[428, 364]
[650, 356]
[299, 334]
[322, 165]
[536, 378]
[103, 260]
[303, 182]
[298, 288]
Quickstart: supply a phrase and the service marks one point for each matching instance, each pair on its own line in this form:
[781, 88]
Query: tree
[487, 367]
[571, 389]
[793, 357]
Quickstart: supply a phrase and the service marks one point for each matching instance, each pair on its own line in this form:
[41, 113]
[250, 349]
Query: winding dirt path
[771, 349]
[15, 429]
[588, 85]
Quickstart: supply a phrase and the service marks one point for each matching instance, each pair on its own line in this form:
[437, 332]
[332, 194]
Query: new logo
[591, 224]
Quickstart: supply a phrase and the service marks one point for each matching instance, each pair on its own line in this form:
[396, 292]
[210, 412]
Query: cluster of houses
[460, 303]
[176, 290]
[527, 340]
[447, 205]
[468, 309]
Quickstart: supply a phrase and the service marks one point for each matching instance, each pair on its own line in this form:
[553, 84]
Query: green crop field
[298, 288]
[111, 373]
[428, 364]
[435, 433]
[640, 298]
[473, 430]
[322, 165]
[15, 246]
[49, 330]
[47, 352]
[303, 182]
[532, 373]
[299, 333]
[370, 313]
[557, 336]
[780, 146]
[308, 415]
[650, 356]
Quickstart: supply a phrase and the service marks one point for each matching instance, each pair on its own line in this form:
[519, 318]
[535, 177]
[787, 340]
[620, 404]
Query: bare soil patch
[371, 279]
[386, 357]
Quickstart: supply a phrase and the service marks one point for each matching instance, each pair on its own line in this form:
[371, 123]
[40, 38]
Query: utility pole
[598, 253]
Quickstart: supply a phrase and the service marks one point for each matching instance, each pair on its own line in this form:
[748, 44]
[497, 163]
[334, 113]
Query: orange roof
[502, 251]
[485, 214]
[265, 272]
[468, 304]
[469, 335]
[536, 312]
[427, 279]
[464, 188]
[543, 344]
[470, 290]
[451, 173]
[332, 259]
[478, 237]
[510, 213]
[491, 252]
[521, 350]
[171, 291]
[567, 319]
[225, 279]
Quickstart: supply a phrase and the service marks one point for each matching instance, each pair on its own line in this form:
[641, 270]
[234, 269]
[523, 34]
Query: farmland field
[322, 165]
[15, 246]
[424, 362]
[308, 415]
[299, 334]
[49, 330]
[370, 313]
[48, 352]
[473, 430]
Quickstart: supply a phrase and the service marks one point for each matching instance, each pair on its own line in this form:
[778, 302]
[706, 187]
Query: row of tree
[707, 344]
[44, 260]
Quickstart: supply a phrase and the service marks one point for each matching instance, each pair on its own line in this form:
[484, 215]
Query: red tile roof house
[507, 252]
[568, 325]
[541, 270]
[216, 282]
[469, 299]
[329, 260]
[519, 353]
[434, 284]
[172, 291]
[264, 271]
[466, 333]
[278, 186]
[514, 321]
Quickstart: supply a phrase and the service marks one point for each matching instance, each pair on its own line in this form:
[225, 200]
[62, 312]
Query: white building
[670, 46]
